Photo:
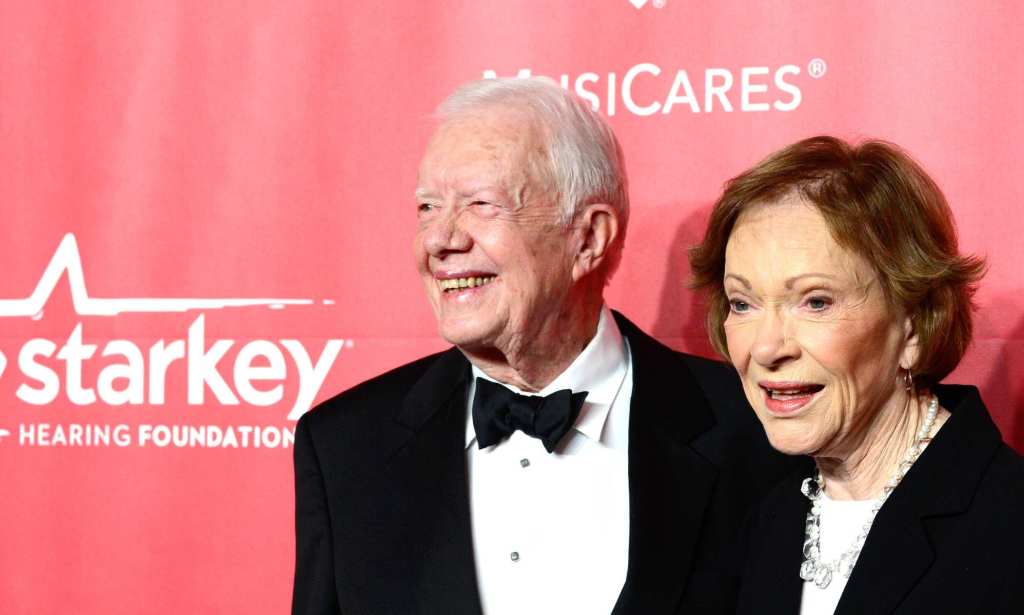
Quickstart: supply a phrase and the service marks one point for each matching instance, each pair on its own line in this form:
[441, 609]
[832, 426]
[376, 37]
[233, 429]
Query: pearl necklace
[821, 572]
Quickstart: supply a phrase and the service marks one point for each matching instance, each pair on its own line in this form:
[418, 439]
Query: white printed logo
[750, 89]
[67, 258]
[816, 68]
[138, 375]
[639, 4]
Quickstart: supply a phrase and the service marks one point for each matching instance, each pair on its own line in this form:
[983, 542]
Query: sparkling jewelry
[821, 572]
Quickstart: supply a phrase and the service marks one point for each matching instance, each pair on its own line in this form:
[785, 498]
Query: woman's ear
[911, 344]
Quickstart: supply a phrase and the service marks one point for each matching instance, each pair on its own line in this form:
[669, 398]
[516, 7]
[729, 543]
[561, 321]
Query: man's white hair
[585, 162]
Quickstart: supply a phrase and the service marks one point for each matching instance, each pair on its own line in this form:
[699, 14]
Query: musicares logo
[139, 378]
[711, 90]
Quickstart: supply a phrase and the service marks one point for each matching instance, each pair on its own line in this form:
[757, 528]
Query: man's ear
[911, 344]
[597, 228]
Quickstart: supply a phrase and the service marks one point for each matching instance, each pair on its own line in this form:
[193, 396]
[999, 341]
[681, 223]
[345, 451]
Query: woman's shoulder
[1005, 478]
[977, 443]
[977, 476]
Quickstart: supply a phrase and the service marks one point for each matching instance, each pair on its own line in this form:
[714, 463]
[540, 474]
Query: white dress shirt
[551, 531]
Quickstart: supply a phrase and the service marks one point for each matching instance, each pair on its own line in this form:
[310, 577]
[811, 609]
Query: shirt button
[524, 462]
[515, 556]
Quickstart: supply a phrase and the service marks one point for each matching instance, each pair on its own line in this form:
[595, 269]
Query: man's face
[495, 259]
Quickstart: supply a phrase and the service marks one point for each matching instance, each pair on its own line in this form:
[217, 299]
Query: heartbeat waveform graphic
[67, 259]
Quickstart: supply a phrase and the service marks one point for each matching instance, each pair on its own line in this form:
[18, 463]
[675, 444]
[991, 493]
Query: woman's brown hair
[880, 205]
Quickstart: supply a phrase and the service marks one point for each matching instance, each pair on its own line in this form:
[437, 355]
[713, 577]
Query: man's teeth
[459, 283]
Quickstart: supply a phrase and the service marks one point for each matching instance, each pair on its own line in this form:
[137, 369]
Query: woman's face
[816, 344]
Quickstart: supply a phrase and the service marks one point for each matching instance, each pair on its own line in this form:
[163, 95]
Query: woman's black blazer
[950, 538]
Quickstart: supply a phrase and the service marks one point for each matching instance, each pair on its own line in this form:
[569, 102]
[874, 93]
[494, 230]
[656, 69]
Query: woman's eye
[738, 306]
[819, 304]
[424, 207]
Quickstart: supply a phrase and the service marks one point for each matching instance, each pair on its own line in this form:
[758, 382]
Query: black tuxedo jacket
[950, 538]
[382, 503]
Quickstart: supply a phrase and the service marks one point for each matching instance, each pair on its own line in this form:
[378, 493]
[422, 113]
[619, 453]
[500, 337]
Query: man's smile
[460, 283]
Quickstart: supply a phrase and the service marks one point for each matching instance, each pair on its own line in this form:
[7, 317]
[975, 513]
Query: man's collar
[600, 370]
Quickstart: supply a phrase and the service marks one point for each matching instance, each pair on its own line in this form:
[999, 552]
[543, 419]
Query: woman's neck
[863, 472]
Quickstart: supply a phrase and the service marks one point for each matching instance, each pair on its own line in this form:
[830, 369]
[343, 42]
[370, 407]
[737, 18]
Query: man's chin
[468, 339]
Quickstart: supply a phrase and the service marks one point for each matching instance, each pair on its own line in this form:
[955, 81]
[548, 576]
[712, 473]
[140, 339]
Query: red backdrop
[230, 185]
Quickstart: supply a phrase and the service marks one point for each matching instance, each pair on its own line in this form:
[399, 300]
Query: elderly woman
[837, 291]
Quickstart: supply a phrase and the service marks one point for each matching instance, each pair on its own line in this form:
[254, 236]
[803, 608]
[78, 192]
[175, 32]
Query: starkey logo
[648, 89]
[138, 376]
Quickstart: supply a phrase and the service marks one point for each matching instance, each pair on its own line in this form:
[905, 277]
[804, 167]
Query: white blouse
[841, 522]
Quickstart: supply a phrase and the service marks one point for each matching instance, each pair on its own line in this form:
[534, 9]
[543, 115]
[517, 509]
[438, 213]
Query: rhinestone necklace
[821, 572]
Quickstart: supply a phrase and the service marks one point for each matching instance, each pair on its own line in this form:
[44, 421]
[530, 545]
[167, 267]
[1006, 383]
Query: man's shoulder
[734, 437]
[703, 367]
[386, 391]
[716, 380]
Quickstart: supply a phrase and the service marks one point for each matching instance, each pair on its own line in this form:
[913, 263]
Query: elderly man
[557, 460]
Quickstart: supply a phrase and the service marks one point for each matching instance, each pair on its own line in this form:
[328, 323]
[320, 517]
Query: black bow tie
[497, 412]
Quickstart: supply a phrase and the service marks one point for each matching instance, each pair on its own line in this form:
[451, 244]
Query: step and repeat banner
[208, 215]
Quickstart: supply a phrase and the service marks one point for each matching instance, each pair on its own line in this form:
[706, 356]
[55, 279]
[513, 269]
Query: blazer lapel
[772, 583]
[428, 474]
[941, 483]
[670, 484]
[897, 552]
[895, 556]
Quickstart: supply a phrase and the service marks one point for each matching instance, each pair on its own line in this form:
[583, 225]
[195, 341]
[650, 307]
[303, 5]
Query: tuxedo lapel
[428, 474]
[670, 484]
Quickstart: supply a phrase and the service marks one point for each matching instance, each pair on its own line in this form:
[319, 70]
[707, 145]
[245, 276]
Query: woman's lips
[788, 398]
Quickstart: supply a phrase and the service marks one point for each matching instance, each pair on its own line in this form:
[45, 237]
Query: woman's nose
[774, 343]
